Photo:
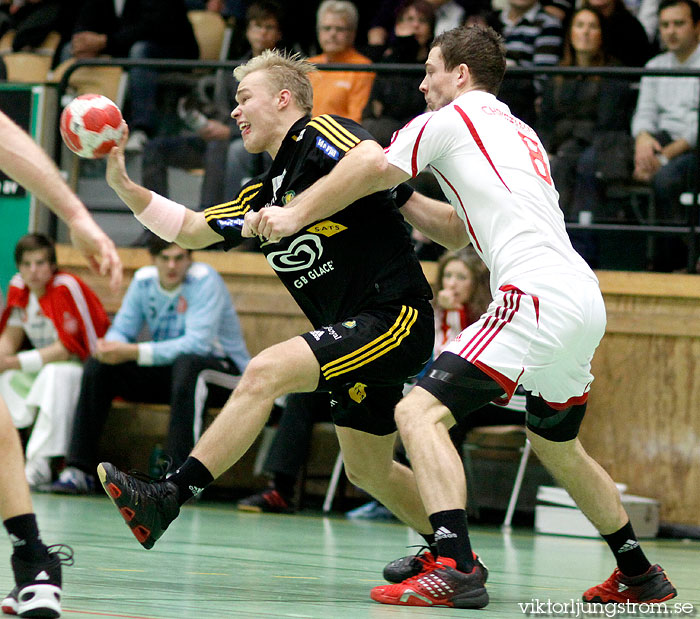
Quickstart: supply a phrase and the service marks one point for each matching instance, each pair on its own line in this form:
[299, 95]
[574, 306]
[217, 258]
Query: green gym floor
[215, 562]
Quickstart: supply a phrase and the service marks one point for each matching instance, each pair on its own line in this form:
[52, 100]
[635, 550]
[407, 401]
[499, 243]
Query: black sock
[284, 484]
[191, 478]
[430, 541]
[452, 537]
[25, 538]
[628, 553]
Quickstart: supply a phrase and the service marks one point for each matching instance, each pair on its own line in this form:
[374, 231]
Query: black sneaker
[38, 585]
[399, 570]
[147, 505]
[270, 501]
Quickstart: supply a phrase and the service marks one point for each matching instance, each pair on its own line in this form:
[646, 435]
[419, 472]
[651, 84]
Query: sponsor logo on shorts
[332, 332]
[358, 392]
[317, 335]
[326, 148]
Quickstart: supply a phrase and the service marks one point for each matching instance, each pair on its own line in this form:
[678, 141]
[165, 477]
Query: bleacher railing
[690, 229]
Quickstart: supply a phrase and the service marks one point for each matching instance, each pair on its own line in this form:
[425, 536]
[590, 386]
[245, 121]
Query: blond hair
[285, 72]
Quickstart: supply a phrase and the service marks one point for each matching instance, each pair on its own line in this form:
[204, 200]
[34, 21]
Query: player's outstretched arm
[22, 159]
[437, 220]
[169, 220]
[362, 171]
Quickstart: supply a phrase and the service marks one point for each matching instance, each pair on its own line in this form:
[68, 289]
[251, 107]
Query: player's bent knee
[259, 379]
[412, 415]
[552, 424]
[365, 477]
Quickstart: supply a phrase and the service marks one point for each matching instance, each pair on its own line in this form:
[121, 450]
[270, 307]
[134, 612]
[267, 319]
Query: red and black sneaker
[269, 501]
[147, 505]
[399, 570]
[439, 584]
[652, 587]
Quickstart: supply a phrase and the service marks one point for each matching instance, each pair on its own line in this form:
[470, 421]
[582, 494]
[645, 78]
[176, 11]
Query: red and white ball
[91, 126]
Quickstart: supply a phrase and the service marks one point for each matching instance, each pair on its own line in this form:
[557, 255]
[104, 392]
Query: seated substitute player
[195, 350]
[360, 285]
[540, 331]
[62, 318]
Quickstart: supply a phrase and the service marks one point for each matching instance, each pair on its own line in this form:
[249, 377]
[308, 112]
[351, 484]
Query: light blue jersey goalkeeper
[198, 317]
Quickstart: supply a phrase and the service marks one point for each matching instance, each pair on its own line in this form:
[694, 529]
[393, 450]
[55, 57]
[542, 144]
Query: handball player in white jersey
[541, 330]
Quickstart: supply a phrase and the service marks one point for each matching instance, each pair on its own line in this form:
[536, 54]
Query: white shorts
[540, 334]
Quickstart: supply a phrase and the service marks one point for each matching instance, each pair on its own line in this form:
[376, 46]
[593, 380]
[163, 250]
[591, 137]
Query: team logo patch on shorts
[357, 392]
[350, 324]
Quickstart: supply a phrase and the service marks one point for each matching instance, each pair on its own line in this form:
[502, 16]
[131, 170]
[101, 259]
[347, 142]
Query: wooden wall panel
[643, 420]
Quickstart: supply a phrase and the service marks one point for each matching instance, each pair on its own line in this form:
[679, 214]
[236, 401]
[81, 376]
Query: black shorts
[366, 359]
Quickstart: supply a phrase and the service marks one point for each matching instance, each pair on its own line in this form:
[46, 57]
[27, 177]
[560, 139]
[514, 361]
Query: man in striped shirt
[533, 38]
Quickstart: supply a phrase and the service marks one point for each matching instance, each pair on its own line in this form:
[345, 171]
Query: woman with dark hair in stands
[627, 40]
[395, 99]
[580, 114]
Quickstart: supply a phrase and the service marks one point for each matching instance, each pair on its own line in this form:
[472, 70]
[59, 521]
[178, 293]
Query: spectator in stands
[582, 116]
[196, 342]
[396, 99]
[264, 31]
[648, 15]
[448, 14]
[344, 93]
[211, 133]
[62, 319]
[665, 123]
[34, 21]
[227, 8]
[462, 295]
[137, 29]
[533, 38]
[627, 38]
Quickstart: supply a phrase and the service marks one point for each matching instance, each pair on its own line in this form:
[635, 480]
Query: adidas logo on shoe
[621, 587]
[42, 576]
[444, 533]
[630, 544]
[17, 541]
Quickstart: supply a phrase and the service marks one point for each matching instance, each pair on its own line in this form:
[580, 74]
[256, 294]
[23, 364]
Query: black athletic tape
[461, 381]
[537, 421]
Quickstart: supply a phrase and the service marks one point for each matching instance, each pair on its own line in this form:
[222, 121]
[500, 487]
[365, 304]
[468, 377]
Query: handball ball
[91, 126]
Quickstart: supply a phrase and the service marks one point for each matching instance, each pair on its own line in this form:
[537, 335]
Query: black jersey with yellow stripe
[360, 257]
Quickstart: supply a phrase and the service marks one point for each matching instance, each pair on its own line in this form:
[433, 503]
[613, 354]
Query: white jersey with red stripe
[493, 169]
